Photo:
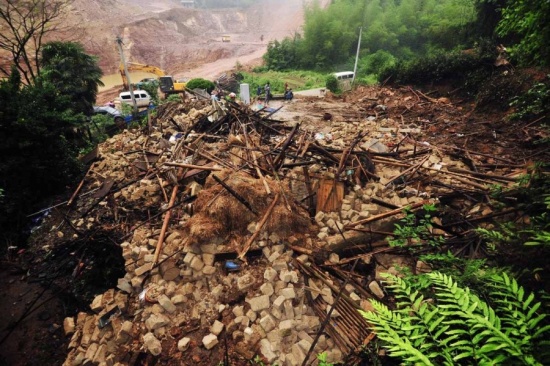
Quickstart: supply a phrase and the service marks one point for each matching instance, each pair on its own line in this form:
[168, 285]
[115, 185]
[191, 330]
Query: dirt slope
[178, 39]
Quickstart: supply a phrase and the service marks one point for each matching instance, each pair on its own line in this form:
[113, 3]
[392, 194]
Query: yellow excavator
[167, 83]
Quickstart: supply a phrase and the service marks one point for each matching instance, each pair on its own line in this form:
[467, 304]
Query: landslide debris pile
[242, 235]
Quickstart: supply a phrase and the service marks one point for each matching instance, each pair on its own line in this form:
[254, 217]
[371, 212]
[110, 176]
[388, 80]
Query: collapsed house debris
[247, 237]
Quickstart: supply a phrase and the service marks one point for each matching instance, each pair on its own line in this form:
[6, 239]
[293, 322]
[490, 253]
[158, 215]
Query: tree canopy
[406, 29]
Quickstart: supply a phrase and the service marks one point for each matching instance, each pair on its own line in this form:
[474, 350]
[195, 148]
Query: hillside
[177, 39]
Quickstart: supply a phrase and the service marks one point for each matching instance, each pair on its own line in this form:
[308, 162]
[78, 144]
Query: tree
[73, 72]
[38, 156]
[527, 23]
[23, 26]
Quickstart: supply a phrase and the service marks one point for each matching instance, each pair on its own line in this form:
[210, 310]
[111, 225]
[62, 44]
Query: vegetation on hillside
[410, 29]
[42, 127]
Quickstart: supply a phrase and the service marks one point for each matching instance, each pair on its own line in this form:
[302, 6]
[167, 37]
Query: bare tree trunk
[23, 25]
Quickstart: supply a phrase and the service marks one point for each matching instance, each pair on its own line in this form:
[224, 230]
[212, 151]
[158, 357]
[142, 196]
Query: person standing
[267, 89]
[259, 91]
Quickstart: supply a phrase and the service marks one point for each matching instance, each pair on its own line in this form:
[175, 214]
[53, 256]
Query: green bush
[464, 68]
[534, 103]
[332, 84]
[200, 83]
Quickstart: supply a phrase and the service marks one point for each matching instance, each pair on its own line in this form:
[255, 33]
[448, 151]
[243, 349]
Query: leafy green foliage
[456, 327]
[414, 230]
[282, 55]
[532, 191]
[526, 22]
[322, 358]
[297, 80]
[152, 88]
[463, 67]
[200, 83]
[74, 73]
[38, 144]
[332, 84]
[391, 30]
[534, 103]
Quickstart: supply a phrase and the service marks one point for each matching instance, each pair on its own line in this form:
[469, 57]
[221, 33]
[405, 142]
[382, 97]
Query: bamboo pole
[383, 215]
[191, 166]
[259, 226]
[165, 225]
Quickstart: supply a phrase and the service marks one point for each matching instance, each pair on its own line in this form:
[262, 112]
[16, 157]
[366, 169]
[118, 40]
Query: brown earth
[165, 34]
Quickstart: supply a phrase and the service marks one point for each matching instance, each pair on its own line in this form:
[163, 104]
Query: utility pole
[357, 55]
[119, 43]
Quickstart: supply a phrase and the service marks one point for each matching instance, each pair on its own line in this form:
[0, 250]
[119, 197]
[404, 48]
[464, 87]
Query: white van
[143, 99]
[344, 79]
[343, 75]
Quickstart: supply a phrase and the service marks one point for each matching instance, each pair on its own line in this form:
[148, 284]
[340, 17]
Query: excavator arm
[132, 66]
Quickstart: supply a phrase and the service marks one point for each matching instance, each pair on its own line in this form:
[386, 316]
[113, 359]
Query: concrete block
[259, 303]
[152, 344]
[210, 341]
[217, 327]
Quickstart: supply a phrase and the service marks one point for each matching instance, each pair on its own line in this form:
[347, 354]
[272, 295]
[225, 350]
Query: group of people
[217, 95]
[288, 95]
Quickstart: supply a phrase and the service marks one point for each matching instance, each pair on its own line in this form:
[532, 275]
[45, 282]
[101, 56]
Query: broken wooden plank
[259, 226]
[384, 215]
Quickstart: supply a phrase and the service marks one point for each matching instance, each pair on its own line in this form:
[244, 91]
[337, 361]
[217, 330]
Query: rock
[210, 341]
[278, 303]
[217, 327]
[298, 353]
[143, 269]
[245, 281]
[209, 270]
[125, 332]
[268, 323]
[178, 299]
[68, 325]
[208, 259]
[267, 289]
[152, 344]
[196, 263]
[165, 302]
[267, 351]
[270, 274]
[259, 303]
[183, 343]
[91, 351]
[156, 321]
[96, 305]
[285, 327]
[124, 285]
[238, 310]
[288, 293]
[376, 289]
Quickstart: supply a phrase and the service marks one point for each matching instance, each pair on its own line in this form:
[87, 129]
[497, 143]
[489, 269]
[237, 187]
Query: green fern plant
[456, 327]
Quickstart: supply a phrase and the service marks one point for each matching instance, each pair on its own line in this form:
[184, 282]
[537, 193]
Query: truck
[167, 83]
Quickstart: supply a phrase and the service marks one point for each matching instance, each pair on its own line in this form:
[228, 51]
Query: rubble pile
[244, 235]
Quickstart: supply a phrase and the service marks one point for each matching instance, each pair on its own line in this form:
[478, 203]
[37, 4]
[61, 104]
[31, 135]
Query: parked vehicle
[118, 118]
[143, 99]
[344, 79]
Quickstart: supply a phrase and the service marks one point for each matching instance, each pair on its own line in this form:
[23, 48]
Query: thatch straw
[219, 214]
